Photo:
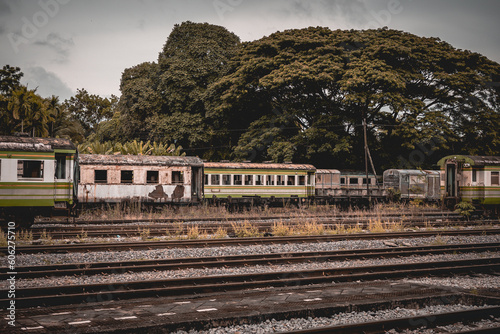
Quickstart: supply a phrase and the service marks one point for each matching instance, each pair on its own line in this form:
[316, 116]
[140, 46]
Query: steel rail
[67, 248]
[243, 260]
[235, 218]
[71, 294]
[58, 232]
[400, 324]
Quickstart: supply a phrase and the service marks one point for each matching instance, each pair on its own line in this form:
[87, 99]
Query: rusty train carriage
[137, 178]
[334, 186]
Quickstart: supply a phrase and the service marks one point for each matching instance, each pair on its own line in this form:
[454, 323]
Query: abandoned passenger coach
[37, 178]
[138, 178]
[473, 179]
[258, 183]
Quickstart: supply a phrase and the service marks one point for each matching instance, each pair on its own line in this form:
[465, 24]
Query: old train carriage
[37, 177]
[138, 178]
[256, 183]
[474, 179]
[413, 184]
[334, 186]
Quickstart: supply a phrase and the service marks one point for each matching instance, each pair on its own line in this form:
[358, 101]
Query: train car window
[177, 177]
[259, 180]
[353, 180]
[280, 180]
[474, 175]
[215, 179]
[100, 176]
[342, 180]
[206, 179]
[226, 180]
[152, 176]
[30, 169]
[237, 180]
[495, 178]
[248, 180]
[302, 180]
[291, 180]
[369, 181]
[127, 176]
[60, 166]
[270, 180]
[0, 169]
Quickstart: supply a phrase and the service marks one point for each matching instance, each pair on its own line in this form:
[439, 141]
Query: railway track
[343, 216]
[243, 260]
[73, 294]
[66, 248]
[400, 324]
[68, 232]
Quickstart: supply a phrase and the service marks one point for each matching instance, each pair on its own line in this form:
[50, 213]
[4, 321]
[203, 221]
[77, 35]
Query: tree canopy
[298, 95]
[305, 94]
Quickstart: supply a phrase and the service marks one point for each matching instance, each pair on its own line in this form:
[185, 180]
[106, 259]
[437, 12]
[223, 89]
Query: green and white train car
[37, 177]
[258, 183]
[474, 179]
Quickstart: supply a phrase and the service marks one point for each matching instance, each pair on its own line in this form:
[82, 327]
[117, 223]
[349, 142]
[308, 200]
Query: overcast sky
[63, 45]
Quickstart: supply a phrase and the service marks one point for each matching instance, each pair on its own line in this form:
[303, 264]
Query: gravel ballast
[41, 259]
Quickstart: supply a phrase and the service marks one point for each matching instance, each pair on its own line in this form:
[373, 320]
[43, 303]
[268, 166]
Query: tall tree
[90, 109]
[140, 99]
[306, 92]
[194, 56]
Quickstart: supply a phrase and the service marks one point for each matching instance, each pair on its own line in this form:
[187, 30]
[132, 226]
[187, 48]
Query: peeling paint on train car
[132, 178]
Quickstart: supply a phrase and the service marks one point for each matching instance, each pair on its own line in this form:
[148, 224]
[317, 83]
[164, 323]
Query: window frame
[101, 180]
[149, 178]
[21, 172]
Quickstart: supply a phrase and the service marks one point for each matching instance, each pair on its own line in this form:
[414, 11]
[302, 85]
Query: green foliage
[299, 95]
[313, 87]
[133, 147]
[90, 109]
[465, 209]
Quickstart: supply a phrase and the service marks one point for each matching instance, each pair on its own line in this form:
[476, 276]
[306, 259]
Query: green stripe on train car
[217, 195]
[25, 202]
[19, 155]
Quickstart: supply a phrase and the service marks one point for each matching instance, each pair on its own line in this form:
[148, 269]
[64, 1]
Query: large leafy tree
[304, 95]
[90, 109]
[164, 101]
[139, 100]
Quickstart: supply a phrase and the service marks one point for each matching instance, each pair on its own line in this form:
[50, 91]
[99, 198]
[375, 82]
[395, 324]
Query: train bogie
[37, 177]
[137, 178]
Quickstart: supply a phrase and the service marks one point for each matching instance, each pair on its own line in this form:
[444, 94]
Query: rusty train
[43, 176]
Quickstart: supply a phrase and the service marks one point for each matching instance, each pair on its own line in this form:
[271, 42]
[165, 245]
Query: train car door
[196, 183]
[451, 180]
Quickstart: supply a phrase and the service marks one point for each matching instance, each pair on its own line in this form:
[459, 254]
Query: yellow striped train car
[37, 177]
[258, 183]
[474, 179]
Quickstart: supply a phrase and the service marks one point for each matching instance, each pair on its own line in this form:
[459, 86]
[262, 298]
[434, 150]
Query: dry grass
[245, 230]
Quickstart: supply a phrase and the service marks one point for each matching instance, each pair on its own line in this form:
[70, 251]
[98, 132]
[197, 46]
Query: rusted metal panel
[31, 144]
[473, 160]
[138, 160]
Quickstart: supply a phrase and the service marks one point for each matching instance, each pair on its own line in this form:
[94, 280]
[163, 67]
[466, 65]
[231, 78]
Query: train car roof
[34, 144]
[327, 171]
[411, 171]
[473, 160]
[254, 165]
[139, 160]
